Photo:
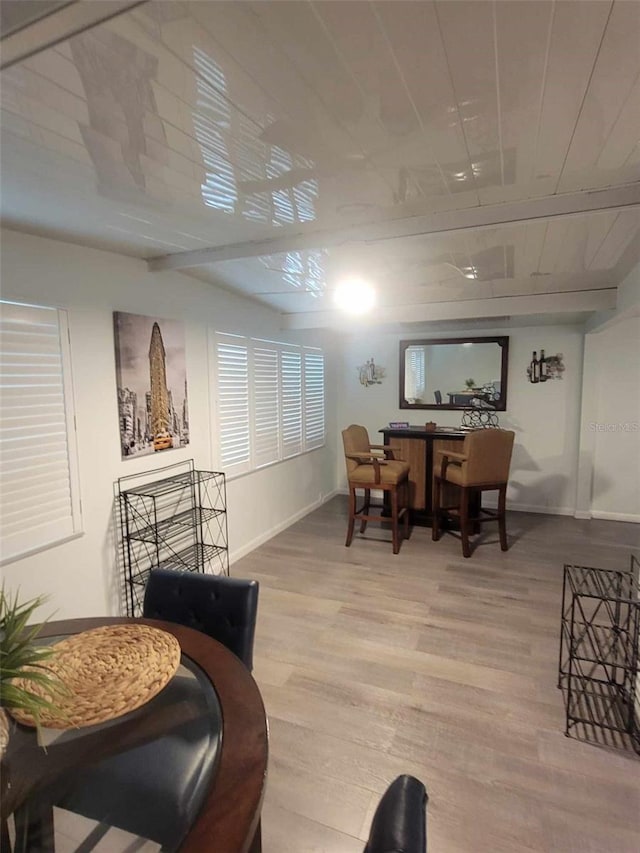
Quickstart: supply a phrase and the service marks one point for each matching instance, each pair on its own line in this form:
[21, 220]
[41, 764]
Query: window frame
[282, 450]
[70, 429]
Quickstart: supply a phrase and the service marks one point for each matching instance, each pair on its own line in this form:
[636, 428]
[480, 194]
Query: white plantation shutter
[291, 412]
[269, 401]
[414, 382]
[313, 399]
[39, 499]
[232, 360]
[266, 404]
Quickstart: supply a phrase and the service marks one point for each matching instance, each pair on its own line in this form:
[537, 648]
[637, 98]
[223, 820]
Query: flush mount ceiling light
[355, 296]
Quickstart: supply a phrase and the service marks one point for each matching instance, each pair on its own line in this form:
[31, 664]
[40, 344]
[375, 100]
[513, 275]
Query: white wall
[80, 575]
[545, 417]
[614, 424]
[609, 466]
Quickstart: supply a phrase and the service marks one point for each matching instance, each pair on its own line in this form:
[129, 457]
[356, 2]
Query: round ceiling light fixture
[355, 296]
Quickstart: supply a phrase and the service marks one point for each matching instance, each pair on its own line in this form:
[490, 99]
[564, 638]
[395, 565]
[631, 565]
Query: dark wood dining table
[229, 818]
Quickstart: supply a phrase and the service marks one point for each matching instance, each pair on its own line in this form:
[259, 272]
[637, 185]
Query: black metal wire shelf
[182, 561]
[169, 484]
[598, 661]
[177, 522]
[183, 520]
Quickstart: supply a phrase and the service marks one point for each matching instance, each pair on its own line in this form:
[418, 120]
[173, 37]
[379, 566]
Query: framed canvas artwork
[151, 375]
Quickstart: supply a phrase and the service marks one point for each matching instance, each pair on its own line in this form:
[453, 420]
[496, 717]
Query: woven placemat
[107, 672]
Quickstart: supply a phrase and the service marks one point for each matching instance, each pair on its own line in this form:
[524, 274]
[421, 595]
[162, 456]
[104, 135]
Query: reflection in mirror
[454, 373]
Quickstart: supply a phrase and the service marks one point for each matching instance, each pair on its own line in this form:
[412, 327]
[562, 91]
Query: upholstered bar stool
[372, 466]
[482, 465]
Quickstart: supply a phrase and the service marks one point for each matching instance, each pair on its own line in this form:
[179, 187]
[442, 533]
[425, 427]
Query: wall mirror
[454, 373]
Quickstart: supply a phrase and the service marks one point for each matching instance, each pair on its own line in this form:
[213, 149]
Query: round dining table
[229, 816]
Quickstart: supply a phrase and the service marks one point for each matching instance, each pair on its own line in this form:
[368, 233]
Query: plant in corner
[23, 663]
[470, 383]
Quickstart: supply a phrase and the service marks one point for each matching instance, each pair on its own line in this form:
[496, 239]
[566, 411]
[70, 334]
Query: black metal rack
[598, 664]
[177, 522]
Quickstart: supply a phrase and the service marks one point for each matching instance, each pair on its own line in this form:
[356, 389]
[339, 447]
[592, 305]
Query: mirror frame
[503, 343]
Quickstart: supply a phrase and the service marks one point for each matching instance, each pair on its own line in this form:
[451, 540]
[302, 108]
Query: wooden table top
[230, 813]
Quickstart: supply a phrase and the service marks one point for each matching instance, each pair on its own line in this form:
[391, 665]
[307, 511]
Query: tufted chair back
[224, 608]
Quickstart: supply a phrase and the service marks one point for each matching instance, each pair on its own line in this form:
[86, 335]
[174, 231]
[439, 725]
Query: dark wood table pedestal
[418, 446]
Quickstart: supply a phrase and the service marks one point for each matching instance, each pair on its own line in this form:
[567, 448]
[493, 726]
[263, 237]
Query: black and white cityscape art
[151, 374]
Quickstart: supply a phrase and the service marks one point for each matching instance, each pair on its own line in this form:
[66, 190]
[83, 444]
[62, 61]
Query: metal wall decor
[545, 367]
[370, 373]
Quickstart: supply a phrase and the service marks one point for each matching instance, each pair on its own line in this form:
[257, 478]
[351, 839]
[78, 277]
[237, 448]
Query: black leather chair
[224, 608]
[133, 791]
[400, 822]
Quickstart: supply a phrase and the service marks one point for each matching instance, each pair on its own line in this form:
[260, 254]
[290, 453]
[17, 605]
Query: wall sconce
[545, 367]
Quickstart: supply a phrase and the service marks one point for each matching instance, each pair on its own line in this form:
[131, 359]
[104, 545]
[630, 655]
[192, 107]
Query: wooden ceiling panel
[331, 90]
[528, 239]
[413, 33]
[598, 227]
[522, 32]
[289, 128]
[573, 49]
[296, 32]
[615, 73]
[362, 49]
[625, 229]
[572, 256]
[622, 145]
[467, 30]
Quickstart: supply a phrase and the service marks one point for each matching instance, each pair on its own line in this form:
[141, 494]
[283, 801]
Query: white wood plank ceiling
[476, 156]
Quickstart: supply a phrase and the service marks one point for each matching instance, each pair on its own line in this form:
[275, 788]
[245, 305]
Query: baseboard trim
[548, 510]
[511, 507]
[633, 518]
[535, 508]
[273, 531]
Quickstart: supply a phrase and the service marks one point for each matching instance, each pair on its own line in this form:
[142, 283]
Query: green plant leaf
[21, 657]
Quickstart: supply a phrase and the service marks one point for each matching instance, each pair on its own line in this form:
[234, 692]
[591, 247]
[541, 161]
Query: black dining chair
[222, 607]
[399, 824]
[438, 396]
[133, 790]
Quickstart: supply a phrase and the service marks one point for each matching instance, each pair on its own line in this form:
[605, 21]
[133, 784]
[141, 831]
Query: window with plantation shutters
[39, 500]
[313, 399]
[291, 411]
[269, 400]
[266, 405]
[414, 381]
[232, 403]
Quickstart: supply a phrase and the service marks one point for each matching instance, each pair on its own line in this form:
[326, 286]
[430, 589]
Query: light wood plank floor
[372, 665]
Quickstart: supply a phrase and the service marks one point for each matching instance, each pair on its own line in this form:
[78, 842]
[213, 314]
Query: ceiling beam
[56, 23]
[471, 309]
[445, 222]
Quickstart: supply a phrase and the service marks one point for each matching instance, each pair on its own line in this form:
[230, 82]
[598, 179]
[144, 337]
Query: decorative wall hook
[545, 367]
